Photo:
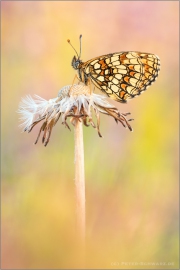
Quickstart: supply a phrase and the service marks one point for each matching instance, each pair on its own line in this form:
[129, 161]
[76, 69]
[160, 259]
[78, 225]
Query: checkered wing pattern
[123, 75]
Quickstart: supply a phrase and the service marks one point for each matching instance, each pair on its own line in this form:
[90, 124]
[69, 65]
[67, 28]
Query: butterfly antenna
[72, 47]
[80, 37]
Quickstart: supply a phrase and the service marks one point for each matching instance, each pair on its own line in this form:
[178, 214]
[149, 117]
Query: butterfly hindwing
[123, 75]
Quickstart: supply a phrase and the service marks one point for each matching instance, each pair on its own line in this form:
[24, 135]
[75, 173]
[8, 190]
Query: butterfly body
[121, 75]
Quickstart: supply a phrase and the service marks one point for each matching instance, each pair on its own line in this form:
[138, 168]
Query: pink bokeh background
[131, 178]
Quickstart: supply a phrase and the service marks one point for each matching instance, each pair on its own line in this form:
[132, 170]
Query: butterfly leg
[89, 83]
[75, 77]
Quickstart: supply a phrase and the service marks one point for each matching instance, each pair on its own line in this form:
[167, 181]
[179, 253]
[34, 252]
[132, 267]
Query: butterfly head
[76, 60]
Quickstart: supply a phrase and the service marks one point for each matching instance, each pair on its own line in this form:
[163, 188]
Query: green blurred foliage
[131, 178]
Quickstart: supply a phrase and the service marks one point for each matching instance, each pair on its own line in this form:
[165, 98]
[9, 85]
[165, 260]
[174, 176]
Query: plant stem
[79, 179]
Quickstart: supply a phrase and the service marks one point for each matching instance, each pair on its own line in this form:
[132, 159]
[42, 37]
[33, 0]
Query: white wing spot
[114, 58]
[121, 67]
[114, 88]
[97, 65]
[101, 78]
[118, 76]
[115, 81]
[116, 63]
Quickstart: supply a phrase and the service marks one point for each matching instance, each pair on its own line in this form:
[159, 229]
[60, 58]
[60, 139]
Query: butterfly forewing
[122, 75]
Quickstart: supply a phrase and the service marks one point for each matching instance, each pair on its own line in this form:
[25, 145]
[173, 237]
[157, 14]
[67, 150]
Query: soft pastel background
[131, 178]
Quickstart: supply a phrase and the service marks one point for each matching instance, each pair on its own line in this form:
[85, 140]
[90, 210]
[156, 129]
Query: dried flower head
[74, 101]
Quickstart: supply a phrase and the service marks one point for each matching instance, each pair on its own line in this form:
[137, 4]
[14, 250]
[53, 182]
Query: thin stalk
[79, 179]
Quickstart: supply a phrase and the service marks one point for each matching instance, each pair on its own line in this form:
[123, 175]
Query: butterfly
[121, 75]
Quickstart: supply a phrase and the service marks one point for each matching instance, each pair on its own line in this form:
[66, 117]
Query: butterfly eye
[73, 62]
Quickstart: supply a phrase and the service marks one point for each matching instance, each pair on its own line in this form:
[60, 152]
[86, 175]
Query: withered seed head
[74, 101]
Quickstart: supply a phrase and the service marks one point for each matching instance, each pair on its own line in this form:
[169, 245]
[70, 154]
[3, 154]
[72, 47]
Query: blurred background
[131, 178]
